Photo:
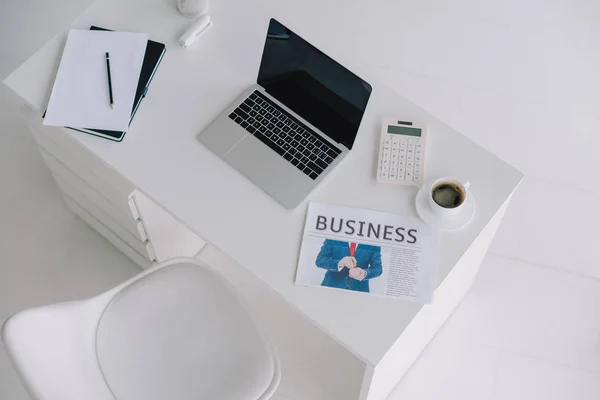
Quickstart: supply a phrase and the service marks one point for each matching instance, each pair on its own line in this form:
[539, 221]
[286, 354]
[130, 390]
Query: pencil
[112, 104]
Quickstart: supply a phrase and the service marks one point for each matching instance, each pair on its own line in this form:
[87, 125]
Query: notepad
[80, 96]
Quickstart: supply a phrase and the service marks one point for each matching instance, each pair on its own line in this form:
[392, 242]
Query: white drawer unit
[109, 235]
[121, 217]
[168, 237]
[106, 219]
[108, 202]
[113, 189]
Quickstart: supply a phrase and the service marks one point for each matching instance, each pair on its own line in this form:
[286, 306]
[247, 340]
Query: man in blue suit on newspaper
[349, 266]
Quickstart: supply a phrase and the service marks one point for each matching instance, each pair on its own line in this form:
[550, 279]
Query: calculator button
[385, 161]
[384, 172]
[409, 175]
[394, 162]
[417, 178]
[403, 145]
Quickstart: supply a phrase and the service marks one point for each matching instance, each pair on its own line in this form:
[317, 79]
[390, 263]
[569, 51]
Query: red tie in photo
[352, 249]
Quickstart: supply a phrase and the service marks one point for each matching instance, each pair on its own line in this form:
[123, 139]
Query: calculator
[401, 152]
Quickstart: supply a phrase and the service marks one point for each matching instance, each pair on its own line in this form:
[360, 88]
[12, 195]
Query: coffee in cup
[447, 196]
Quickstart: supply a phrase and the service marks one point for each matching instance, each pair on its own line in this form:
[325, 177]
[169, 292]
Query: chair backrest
[176, 330]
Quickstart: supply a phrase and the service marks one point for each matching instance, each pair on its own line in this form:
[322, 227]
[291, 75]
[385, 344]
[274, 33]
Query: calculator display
[404, 130]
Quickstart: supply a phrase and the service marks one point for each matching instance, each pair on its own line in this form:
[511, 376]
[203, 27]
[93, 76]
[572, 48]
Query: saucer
[454, 223]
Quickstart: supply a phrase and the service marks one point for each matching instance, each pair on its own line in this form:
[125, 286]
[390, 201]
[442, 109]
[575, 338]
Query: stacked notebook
[80, 96]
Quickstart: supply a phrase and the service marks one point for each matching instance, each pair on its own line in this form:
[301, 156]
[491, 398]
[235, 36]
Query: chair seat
[181, 333]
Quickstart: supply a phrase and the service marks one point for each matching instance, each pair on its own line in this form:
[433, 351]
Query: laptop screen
[313, 85]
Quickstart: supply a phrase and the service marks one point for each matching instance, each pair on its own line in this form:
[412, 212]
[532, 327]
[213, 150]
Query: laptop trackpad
[269, 171]
[222, 135]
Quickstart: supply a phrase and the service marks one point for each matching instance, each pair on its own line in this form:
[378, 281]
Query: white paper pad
[80, 96]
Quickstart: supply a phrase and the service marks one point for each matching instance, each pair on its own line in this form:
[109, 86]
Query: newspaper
[368, 251]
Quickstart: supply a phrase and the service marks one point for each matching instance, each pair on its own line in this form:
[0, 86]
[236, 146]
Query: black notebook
[152, 58]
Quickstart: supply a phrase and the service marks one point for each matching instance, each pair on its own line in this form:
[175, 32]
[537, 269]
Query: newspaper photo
[368, 251]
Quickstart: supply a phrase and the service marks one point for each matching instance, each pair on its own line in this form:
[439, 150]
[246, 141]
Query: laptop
[296, 124]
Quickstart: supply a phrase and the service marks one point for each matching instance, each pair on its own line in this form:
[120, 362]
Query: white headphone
[194, 9]
[202, 25]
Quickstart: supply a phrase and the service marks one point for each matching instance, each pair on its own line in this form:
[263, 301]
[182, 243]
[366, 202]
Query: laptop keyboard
[292, 140]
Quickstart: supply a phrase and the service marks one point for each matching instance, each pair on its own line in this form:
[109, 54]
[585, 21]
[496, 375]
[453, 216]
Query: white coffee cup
[447, 196]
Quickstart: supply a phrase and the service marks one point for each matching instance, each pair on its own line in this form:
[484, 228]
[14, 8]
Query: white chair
[176, 331]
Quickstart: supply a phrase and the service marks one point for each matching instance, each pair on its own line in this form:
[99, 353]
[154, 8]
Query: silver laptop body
[275, 147]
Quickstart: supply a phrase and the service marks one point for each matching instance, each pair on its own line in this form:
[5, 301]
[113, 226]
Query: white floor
[519, 77]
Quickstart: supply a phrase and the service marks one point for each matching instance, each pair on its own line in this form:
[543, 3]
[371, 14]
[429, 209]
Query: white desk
[161, 157]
